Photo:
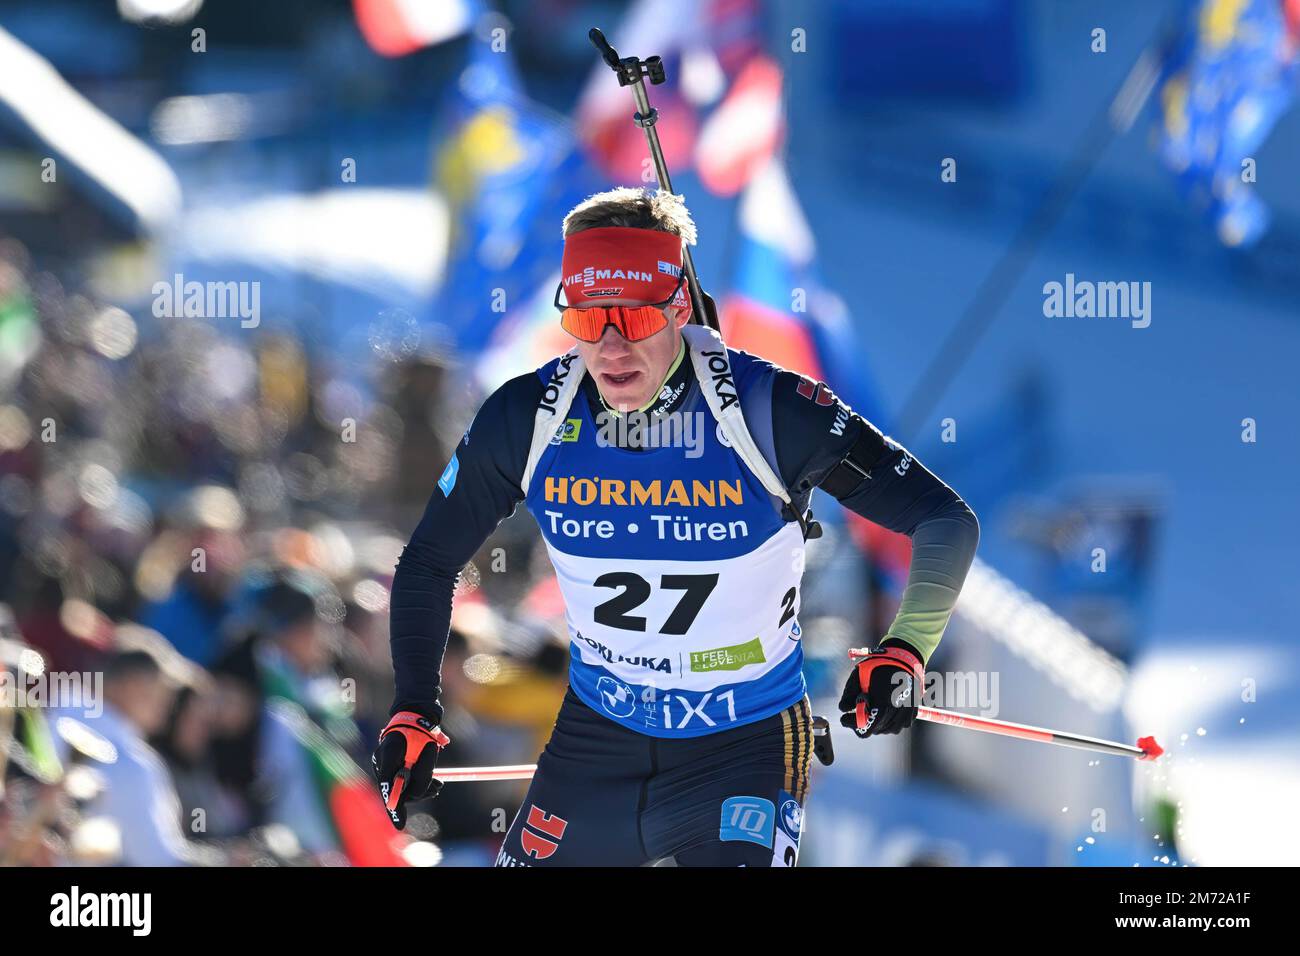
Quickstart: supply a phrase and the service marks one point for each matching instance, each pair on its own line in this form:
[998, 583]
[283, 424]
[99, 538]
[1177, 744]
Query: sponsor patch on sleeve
[448, 479]
[817, 392]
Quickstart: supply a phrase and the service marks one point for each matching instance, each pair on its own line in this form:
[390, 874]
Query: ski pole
[632, 71]
[1146, 749]
[519, 771]
[524, 771]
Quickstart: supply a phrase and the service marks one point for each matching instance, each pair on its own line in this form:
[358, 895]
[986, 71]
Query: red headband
[620, 262]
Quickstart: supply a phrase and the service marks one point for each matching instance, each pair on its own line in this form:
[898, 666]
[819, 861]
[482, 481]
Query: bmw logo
[616, 697]
[792, 817]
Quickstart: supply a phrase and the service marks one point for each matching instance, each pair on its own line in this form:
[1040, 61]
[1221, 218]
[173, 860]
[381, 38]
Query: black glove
[893, 676]
[404, 760]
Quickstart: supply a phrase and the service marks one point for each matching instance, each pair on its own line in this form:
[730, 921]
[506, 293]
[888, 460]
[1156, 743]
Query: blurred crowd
[198, 529]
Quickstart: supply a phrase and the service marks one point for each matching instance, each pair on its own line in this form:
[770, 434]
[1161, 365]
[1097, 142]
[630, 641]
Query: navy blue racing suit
[694, 746]
[607, 795]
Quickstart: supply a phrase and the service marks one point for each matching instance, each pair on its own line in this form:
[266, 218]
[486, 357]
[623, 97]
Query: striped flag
[603, 116]
[397, 27]
[776, 305]
[745, 131]
[509, 169]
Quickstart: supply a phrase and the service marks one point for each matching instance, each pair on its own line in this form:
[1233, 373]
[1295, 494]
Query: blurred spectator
[138, 795]
[186, 744]
[364, 658]
[279, 680]
[70, 634]
[191, 615]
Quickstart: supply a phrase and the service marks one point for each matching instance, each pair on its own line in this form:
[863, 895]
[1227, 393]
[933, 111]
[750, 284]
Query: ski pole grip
[822, 746]
[607, 52]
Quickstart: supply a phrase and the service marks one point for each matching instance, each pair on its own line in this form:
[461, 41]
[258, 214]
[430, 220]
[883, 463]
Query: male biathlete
[670, 477]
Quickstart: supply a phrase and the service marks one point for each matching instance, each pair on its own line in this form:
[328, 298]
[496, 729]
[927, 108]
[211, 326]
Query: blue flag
[1227, 81]
[510, 170]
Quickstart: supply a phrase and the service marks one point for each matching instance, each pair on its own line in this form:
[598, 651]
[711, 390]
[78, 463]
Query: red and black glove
[883, 690]
[404, 761]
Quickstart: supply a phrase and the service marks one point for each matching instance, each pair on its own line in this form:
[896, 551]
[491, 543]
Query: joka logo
[552, 393]
[535, 845]
[724, 386]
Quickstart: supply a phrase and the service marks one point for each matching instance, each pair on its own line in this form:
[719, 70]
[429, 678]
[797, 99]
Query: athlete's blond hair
[636, 207]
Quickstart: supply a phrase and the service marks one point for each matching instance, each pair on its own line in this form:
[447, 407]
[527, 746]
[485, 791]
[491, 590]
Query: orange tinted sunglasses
[634, 322]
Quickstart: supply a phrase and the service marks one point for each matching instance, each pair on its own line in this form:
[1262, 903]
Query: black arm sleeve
[813, 431]
[473, 496]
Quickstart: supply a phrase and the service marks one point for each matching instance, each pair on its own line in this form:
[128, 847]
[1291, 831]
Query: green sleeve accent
[942, 551]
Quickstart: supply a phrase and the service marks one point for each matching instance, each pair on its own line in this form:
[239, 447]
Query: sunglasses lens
[635, 323]
[583, 324]
[642, 322]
